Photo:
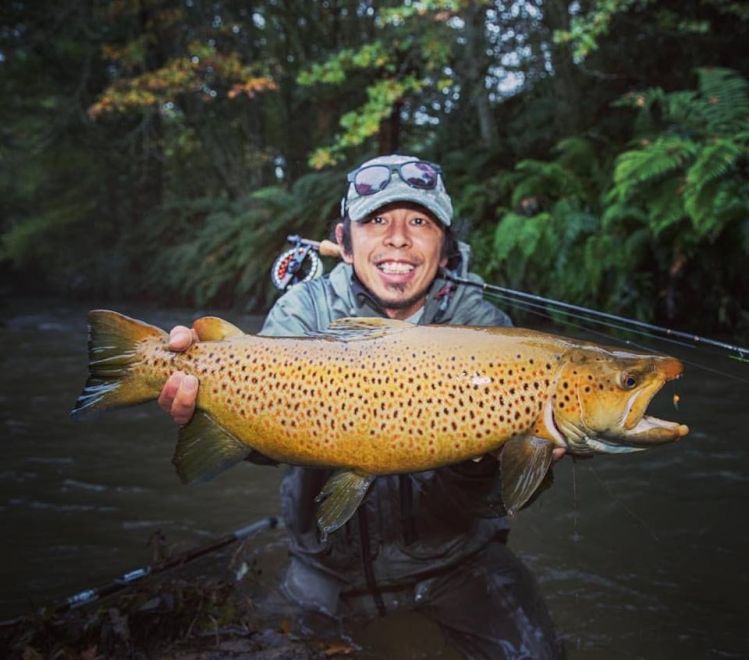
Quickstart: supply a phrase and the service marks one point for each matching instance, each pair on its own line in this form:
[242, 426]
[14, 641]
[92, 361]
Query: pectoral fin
[205, 449]
[524, 462]
[340, 497]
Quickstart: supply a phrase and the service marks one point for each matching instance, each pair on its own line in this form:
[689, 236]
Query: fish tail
[113, 351]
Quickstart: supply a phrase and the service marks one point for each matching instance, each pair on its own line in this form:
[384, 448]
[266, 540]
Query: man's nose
[398, 235]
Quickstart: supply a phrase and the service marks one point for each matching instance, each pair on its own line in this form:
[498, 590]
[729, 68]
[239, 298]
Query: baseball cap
[434, 199]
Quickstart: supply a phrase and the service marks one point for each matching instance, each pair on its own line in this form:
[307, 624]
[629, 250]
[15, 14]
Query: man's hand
[178, 395]
[557, 453]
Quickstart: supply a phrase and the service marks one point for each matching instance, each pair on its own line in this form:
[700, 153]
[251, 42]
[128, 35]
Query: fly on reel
[299, 264]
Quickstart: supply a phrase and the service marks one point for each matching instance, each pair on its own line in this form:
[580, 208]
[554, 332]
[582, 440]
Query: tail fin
[112, 352]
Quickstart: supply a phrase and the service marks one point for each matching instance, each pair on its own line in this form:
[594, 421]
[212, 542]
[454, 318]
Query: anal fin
[524, 463]
[204, 449]
[339, 499]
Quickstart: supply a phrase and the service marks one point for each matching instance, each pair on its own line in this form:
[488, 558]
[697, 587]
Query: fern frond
[665, 206]
[641, 167]
[726, 95]
[715, 162]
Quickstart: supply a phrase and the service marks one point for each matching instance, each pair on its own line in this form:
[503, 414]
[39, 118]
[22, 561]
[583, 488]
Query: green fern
[615, 232]
[703, 180]
[651, 163]
[726, 97]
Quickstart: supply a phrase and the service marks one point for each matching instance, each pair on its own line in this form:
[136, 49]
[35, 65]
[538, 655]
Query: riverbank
[226, 605]
[222, 606]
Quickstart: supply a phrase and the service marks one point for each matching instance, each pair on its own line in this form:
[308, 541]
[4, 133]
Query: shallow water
[638, 556]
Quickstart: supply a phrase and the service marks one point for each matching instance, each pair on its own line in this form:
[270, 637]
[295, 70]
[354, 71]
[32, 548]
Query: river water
[638, 556]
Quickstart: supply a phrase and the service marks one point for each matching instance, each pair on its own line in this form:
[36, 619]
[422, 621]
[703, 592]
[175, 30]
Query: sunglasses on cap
[371, 179]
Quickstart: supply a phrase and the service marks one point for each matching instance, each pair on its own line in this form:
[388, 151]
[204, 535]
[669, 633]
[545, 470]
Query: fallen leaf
[338, 648]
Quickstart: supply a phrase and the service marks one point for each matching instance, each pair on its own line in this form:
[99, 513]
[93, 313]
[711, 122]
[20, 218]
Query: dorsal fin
[355, 329]
[212, 328]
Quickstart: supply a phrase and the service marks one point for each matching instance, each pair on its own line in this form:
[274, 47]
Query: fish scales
[393, 403]
[376, 396]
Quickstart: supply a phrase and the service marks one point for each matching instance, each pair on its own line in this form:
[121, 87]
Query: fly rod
[598, 316]
[294, 263]
[124, 581]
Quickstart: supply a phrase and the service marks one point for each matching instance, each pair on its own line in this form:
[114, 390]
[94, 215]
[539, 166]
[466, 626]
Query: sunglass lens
[370, 180]
[419, 175]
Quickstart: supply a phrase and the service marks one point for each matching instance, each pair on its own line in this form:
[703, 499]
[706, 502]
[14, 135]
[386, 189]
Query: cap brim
[363, 207]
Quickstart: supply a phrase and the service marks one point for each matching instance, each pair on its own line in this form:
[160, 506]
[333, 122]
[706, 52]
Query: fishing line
[743, 353]
[575, 534]
[539, 309]
[543, 311]
[614, 326]
[626, 509]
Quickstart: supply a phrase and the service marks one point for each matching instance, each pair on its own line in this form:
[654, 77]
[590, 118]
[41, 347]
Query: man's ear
[348, 258]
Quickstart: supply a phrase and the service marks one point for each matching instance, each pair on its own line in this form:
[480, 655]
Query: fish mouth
[654, 431]
[648, 432]
[641, 429]
[635, 431]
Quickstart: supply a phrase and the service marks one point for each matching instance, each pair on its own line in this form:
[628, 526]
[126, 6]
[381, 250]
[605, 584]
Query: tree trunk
[477, 62]
[389, 134]
[565, 84]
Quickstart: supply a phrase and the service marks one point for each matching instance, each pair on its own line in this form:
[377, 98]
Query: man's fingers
[181, 338]
[183, 405]
[169, 391]
[558, 453]
[178, 396]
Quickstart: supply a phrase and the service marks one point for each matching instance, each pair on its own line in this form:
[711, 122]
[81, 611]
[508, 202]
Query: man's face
[396, 255]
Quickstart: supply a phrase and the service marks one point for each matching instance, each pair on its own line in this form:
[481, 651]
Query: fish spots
[375, 400]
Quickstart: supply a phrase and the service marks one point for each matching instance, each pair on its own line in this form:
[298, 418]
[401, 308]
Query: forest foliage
[597, 152]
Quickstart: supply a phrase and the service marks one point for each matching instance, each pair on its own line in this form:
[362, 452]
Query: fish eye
[628, 381]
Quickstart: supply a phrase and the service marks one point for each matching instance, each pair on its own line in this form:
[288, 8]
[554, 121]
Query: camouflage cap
[435, 200]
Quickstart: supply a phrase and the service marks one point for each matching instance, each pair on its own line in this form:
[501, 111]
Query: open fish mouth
[648, 432]
[643, 430]
[633, 430]
[654, 431]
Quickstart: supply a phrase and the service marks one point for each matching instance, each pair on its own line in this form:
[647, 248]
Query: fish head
[601, 399]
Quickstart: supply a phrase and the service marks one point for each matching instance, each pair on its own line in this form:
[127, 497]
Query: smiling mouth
[395, 267]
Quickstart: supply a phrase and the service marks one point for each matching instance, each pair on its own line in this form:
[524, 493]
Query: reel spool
[301, 263]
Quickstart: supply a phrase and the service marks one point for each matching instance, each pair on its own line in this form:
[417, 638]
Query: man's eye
[419, 221]
[378, 220]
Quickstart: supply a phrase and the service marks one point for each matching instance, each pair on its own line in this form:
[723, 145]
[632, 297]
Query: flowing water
[638, 556]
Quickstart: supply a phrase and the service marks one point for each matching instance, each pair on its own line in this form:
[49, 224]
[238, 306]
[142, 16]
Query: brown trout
[375, 396]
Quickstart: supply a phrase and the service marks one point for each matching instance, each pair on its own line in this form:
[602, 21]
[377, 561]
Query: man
[429, 540]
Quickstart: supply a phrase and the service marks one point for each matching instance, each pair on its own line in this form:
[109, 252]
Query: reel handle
[329, 249]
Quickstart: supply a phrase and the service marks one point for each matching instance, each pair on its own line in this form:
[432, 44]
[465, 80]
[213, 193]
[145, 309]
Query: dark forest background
[597, 152]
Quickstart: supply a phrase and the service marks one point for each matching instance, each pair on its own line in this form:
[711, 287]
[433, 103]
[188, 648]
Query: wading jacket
[410, 526]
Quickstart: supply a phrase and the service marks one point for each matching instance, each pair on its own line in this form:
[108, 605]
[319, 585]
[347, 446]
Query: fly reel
[301, 263]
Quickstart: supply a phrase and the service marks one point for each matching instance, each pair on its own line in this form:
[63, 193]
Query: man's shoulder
[469, 307]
